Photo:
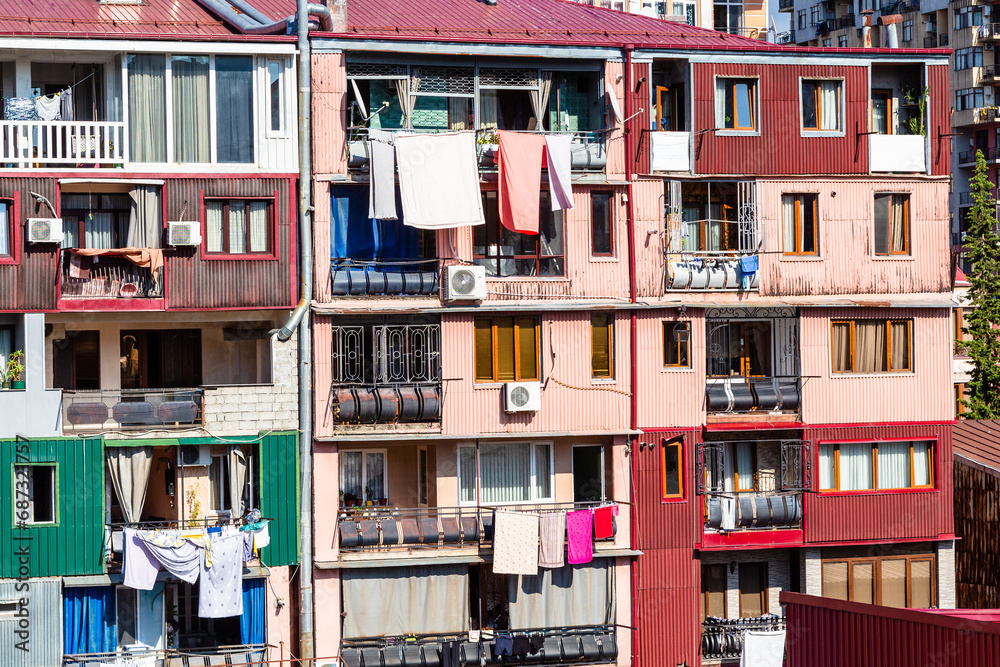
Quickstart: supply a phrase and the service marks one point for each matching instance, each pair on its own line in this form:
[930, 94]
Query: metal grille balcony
[722, 639]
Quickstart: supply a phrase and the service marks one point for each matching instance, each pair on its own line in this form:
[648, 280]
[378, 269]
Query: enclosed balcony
[669, 141]
[722, 639]
[897, 139]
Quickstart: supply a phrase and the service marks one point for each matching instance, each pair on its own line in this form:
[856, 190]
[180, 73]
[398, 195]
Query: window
[821, 100]
[673, 465]
[968, 58]
[966, 17]
[507, 349]
[275, 106]
[34, 494]
[871, 346]
[891, 581]
[218, 475]
[908, 31]
[827, 43]
[239, 226]
[815, 14]
[588, 474]
[234, 109]
[713, 591]
[6, 344]
[507, 253]
[76, 360]
[602, 345]
[842, 41]
[798, 214]
[736, 104]
[422, 476]
[676, 344]
[882, 120]
[892, 224]
[508, 473]
[969, 98]
[687, 10]
[753, 590]
[958, 326]
[97, 221]
[880, 466]
[601, 238]
[745, 454]
[740, 348]
[6, 230]
[190, 76]
[362, 477]
[803, 19]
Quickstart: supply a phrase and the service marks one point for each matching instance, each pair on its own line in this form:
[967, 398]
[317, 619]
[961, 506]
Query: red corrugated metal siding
[940, 119]
[615, 138]
[641, 112]
[833, 633]
[31, 284]
[882, 517]
[193, 282]
[780, 149]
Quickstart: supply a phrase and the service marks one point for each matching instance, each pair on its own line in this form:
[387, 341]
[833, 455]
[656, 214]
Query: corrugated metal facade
[279, 497]
[30, 284]
[846, 263]
[641, 113]
[940, 119]
[42, 623]
[887, 516]
[74, 543]
[780, 148]
[329, 107]
[924, 395]
[321, 241]
[670, 397]
[649, 201]
[615, 168]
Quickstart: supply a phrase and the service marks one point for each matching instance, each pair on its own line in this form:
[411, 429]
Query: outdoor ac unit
[465, 283]
[988, 46]
[523, 396]
[194, 455]
[184, 233]
[45, 230]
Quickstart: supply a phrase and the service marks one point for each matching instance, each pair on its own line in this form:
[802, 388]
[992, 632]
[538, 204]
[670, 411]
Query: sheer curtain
[540, 98]
[374, 476]
[190, 90]
[827, 466]
[744, 466]
[855, 466]
[147, 107]
[237, 227]
[900, 332]
[829, 92]
[543, 472]
[145, 227]
[921, 462]
[351, 475]
[99, 231]
[467, 474]
[720, 102]
[898, 212]
[129, 470]
[840, 347]
[237, 479]
[234, 109]
[4, 232]
[869, 346]
[406, 102]
[213, 226]
[894, 465]
[258, 226]
[505, 472]
[489, 101]
[788, 217]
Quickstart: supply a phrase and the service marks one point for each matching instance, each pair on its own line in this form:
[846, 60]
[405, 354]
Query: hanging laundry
[382, 176]
[261, 538]
[559, 157]
[552, 539]
[515, 543]
[603, 522]
[48, 107]
[66, 101]
[580, 537]
[519, 180]
[247, 547]
[763, 648]
[179, 556]
[19, 108]
[520, 646]
[79, 266]
[504, 645]
[141, 566]
[221, 587]
[439, 180]
[728, 506]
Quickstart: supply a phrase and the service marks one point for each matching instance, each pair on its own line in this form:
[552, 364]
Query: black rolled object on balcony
[571, 648]
[793, 510]
[357, 282]
[409, 404]
[392, 656]
[411, 531]
[393, 281]
[430, 403]
[432, 655]
[367, 405]
[390, 532]
[369, 532]
[351, 656]
[371, 656]
[177, 412]
[412, 656]
[376, 280]
[449, 530]
[429, 530]
[714, 511]
[349, 537]
[767, 394]
[718, 399]
[470, 529]
[340, 282]
[345, 405]
[779, 517]
[591, 649]
[791, 396]
[746, 512]
[388, 404]
[609, 645]
[764, 517]
[552, 650]
[488, 526]
[743, 400]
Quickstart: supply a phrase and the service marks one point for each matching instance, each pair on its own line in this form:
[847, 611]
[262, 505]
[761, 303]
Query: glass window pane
[147, 76]
[126, 615]
[900, 346]
[274, 70]
[671, 469]
[922, 463]
[827, 466]
[234, 109]
[840, 347]
[505, 349]
[835, 581]
[237, 227]
[869, 346]
[467, 474]
[744, 466]
[543, 472]
[527, 349]
[744, 104]
[191, 121]
[855, 466]
[864, 582]
[484, 350]
[351, 477]
[893, 465]
[259, 236]
[600, 345]
[807, 223]
[600, 237]
[809, 104]
[213, 226]
[505, 472]
[753, 589]
[374, 476]
[920, 584]
[882, 223]
[894, 582]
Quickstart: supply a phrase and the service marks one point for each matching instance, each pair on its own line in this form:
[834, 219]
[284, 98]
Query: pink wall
[649, 202]
[326, 590]
[326, 501]
[329, 106]
[279, 630]
[924, 395]
[670, 397]
[616, 137]
[589, 405]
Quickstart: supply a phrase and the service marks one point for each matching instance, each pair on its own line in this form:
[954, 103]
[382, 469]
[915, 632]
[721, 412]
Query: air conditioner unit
[988, 46]
[194, 455]
[183, 233]
[523, 396]
[45, 230]
[465, 283]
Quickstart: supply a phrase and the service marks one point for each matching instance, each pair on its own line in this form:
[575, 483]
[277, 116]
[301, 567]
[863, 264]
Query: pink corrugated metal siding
[193, 282]
[615, 168]
[940, 119]
[640, 117]
[321, 241]
[584, 406]
[670, 397]
[780, 149]
[882, 516]
[649, 200]
[846, 263]
[924, 395]
[329, 82]
[322, 376]
[31, 284]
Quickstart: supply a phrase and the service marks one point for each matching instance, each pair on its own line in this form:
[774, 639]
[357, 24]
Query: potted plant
[15, 369]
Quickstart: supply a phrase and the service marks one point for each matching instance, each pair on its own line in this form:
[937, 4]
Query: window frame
[16, 485]
[888, 346]
[764, 580]
[272, 232]
[533, 474]
[223, 482]
[876, 561]
[282, 130]
[13, 203]
[423, 478]
[817, 131]
[677, 443]
[887, 94]
[932, 463]
[730, 80]
[516, 351]
[798, 198]
[364, 470]
[610, 224]
[705, 593]
[907, 232]
[609, 325]
[685, 345]
[558, 219]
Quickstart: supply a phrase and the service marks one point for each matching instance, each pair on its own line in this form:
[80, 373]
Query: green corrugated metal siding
[74, 544]
[279, 496]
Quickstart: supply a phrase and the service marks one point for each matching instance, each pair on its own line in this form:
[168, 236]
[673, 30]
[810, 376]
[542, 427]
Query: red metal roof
[977, 440]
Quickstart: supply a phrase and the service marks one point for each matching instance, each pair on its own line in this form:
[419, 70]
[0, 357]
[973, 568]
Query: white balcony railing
[24, 143]
[670, 151]
[897, 152]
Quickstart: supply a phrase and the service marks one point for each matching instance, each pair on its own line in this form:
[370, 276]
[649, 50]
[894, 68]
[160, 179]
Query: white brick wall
[812, 576]
[777, 575]
[245, 410]
[946, 574]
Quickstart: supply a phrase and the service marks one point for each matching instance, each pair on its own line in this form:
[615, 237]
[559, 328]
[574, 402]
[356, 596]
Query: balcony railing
[786, 37]
[968, 158]
[943, 40]
[723, 639]
[131, 409]
[755, 510]
[965, 199]
[988, 32]
[785, 5]
[755, 394]
[107, 277]
[897, 153]
[248, 655]
[403, 277]
[38, 142]
[930, 42]
[988, 75]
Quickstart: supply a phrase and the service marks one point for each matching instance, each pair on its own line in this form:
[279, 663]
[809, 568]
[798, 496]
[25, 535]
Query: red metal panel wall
[641, 111]
[780, 149]
[30, 284]
[940, 119]
[193, 282]
[882, 516]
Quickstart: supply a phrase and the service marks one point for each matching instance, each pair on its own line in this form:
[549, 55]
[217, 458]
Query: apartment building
[148, 173]
[748, 19]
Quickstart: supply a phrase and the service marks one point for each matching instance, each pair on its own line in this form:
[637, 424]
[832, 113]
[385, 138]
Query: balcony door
[588, 473]
[740, 348]
[161, 359]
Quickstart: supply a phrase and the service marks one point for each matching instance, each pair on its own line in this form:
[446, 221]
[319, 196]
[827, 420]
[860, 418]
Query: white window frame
[533, 476]
[29, 482]
[604, 467]
[364, 469]
[733, 132]
[841, 122]
[282, 131]
[223, 493]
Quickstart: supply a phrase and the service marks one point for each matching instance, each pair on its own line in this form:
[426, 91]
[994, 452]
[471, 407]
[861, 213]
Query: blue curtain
[353, 235]
[253, 622]
[89, 620]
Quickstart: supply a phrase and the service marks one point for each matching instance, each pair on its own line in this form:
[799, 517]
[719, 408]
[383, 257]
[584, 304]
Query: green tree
[982, 247]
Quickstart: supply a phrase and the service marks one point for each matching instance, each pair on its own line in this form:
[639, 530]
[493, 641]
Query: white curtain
[829, 92]
[237, 227]
[505, 472]
[572, 595]
[855, 466]
[406, 102]
[145, 225]
[894, 465]
[540, 98]
[543, 472]
[788, 222]
[827, 466]
[4, 232]
[147, 107]
[258, 226]
[489, 102]
[129, 470]
[744, 466]
[191, 118]
[352, 475]
[237, 479]
[467, 474]
[869, 346]
[213, 226]
[99, 231]
[921, 463]
[374, 476]
[720, 102]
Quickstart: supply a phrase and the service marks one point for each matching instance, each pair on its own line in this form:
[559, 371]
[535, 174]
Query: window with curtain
[506, 349]
[891, 581]
[745, 454]
[865, 466]
[507, 473]
[6, 229]
[892, 224]
[189, 76]
[871, 346]
[239, 226]
[798, 213]
[507, 253]
[736, 103]
[95, 220]
[147, 93]
[602, 345]
[234, 104]
[739, 348]
[676, 344]
[6, 344]
[821, 105]
[362, 476]
[673, 486]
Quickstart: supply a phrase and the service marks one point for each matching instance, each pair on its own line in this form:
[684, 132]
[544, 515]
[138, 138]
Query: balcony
[248, 654]
[988, 32]
[670, 151]
[756, 394]
[756, 511]
[988, 75]
[968, 158]
[131, 409]
[722, 639]
[404, 277]
[897, 153]
[66, 143]
[787, 37]
[931, 41]
[111, 275]
[786, 5]
[965, 199]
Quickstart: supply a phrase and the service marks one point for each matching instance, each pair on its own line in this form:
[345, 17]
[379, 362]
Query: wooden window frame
[764, 579]
[705, 593]
[677, 345]
[676, 444]
[272, 228]
[558, 220]
[798, 199]
[593, 228]
[729, 88]
[876, 488]
[887, 93]
[816, 101]
[13, 204]
[893, 198]
[517, 350]
[736, 474]
[609, 324]
[877, 562]
[888, 347]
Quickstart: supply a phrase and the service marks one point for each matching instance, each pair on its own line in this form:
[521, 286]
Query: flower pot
[17, 384]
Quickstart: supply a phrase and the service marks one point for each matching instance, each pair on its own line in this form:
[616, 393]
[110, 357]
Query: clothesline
[71, 87]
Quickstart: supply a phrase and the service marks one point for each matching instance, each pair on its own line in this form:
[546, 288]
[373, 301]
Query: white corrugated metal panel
[42, 625]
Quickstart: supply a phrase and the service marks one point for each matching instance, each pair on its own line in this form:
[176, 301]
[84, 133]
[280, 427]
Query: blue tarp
[353, 235]
[253, 622]
[89, 620]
